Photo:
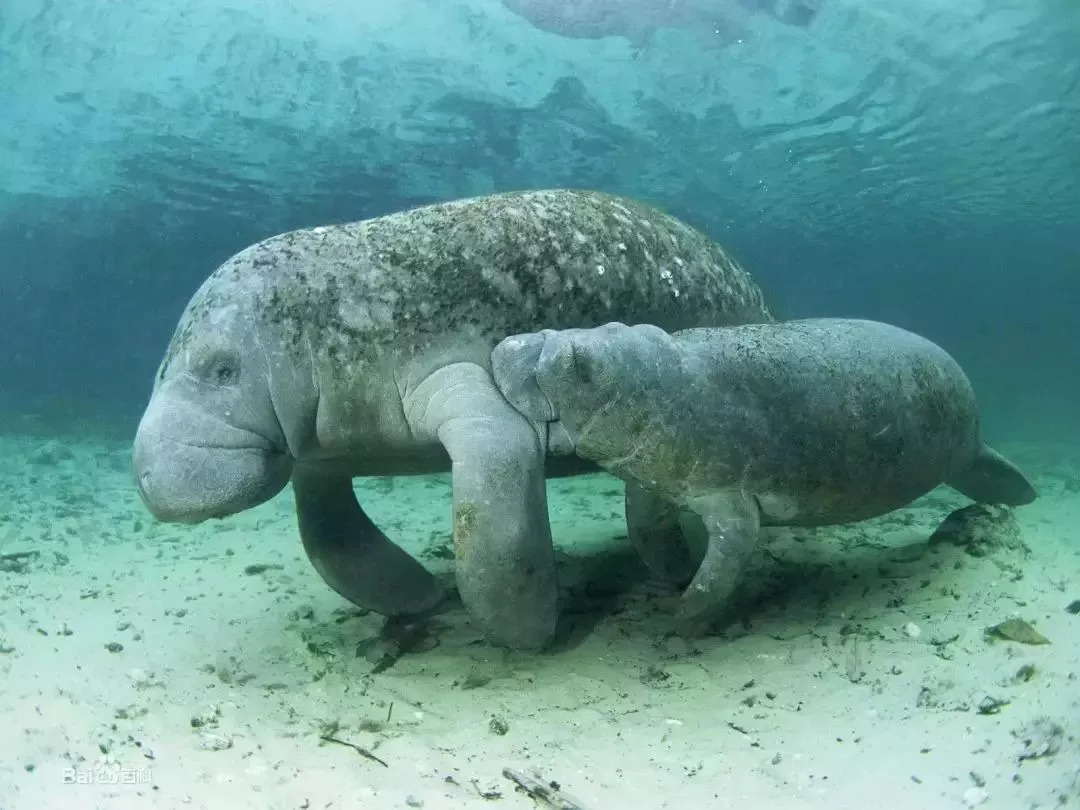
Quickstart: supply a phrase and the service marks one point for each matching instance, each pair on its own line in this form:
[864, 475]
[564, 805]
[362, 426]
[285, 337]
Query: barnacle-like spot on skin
[466, 518]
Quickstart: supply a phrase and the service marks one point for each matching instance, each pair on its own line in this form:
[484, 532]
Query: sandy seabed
[146, 665]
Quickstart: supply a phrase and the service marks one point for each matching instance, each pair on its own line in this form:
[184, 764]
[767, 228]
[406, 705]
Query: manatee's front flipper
[991, 478]
[655, 531]
[502, 537]
[733, 523]
[352, 555]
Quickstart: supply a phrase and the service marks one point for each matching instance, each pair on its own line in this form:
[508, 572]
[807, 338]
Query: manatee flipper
[656, 532]
[733, 522]
[504, 556]
[352, 555]
[991, 478]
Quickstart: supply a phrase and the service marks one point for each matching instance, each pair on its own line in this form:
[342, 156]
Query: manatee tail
[991, 478]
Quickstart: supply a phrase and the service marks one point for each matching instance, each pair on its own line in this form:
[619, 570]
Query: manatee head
[514, 365]
[211, 442]
[591, 386]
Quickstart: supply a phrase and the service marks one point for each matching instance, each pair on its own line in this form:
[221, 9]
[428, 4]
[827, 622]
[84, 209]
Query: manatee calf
[804, 423]
[364, 349]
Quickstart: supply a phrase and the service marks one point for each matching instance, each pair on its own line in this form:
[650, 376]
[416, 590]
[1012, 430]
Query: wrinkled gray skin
[804, 423]
[364, 349]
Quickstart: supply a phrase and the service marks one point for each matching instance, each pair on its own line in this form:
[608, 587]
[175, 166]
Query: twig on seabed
[361, 751]
[548, 792]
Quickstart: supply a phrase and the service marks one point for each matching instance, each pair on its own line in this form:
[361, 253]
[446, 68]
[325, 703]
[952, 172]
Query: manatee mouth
[192, 480]
[249, 441]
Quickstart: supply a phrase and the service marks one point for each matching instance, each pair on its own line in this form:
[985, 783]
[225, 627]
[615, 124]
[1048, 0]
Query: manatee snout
[514, 365]
[581, 370]
[575, 381]
[564, 363]
[536, 371]
[529, 370]
[190, 467]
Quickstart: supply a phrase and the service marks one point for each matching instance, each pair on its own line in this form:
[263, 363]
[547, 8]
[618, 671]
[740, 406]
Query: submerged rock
[981, 529]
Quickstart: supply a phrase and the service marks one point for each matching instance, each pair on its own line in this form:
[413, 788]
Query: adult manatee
[364, 349]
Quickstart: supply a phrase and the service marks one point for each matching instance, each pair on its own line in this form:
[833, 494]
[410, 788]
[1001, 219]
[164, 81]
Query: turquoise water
[912, 161]
[902, 160]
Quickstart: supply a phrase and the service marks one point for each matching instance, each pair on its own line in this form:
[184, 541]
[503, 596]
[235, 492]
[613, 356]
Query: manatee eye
[223, 370]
